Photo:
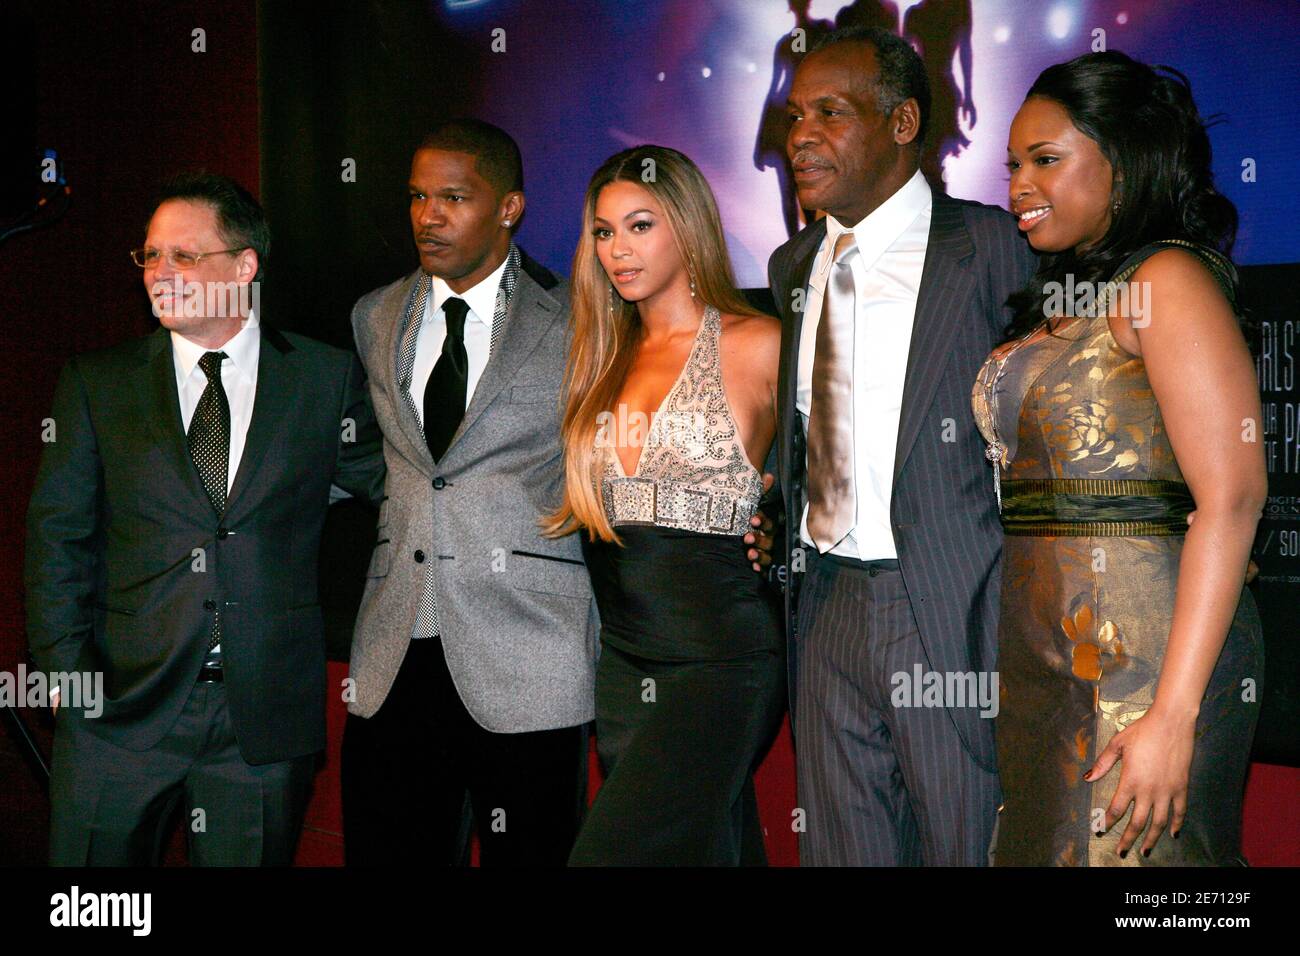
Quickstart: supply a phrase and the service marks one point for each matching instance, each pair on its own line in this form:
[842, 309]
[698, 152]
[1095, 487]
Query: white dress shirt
[482, 302]
[238, 378]
[891, 240]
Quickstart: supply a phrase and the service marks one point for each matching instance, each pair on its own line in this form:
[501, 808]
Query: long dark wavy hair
[1147, 126]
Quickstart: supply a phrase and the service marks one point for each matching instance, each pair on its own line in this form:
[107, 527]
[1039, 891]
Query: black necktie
[209, 440]
[444, 395]
[209, 434]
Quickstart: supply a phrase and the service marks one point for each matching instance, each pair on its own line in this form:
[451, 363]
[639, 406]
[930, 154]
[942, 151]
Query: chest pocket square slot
[114, 609]
[381, 559]
[531, 394]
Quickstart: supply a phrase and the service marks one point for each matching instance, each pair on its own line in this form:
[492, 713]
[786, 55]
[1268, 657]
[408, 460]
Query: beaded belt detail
[674, 504]
[1094, 507]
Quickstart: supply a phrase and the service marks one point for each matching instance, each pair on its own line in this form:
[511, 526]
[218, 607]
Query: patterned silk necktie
[832, 494]
[209, 440]
[444, 394]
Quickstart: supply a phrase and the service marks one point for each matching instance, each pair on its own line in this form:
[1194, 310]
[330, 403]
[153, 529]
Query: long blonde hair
[606, 330]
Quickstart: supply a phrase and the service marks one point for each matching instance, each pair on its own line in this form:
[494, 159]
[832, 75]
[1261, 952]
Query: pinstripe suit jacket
[943, 511]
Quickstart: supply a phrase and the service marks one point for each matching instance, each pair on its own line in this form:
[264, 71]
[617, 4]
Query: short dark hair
[496, 154]
[902, 74]
[240, 219]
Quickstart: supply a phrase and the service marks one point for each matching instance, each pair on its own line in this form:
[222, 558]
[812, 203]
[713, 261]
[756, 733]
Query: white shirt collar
[880, 228]
[241, 351]
[481, 298]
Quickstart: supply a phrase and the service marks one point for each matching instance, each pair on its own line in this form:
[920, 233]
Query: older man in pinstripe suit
[890, 304]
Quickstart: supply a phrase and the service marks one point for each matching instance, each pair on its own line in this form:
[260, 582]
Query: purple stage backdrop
[710, 79]
[577, 81]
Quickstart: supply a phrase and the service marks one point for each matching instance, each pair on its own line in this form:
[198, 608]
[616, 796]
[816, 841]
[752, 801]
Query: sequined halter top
[693, 473]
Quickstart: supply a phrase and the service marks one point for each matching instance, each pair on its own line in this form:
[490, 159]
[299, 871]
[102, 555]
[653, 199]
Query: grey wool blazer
[518, 621]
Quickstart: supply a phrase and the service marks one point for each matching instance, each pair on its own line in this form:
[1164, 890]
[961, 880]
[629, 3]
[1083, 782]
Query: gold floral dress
[1094, 510]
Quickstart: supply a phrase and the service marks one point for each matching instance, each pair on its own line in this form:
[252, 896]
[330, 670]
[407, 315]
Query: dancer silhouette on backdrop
[769, 145]
[868, 13]
[937, 29]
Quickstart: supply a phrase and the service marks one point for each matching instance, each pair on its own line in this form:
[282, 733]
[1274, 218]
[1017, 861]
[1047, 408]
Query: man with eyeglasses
[172, 547]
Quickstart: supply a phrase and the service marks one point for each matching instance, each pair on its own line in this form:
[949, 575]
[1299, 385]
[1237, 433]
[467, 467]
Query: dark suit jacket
[126, 557]
[943, 511]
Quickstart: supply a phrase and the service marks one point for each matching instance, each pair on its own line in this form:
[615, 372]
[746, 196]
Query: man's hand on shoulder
[760, 539]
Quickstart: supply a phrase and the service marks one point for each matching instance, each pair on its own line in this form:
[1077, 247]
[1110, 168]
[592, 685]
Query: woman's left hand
[1156, 755]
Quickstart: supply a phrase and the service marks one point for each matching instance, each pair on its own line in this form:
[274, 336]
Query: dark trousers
[882, 785]
[413, 772]
[679, 765]
[111, 806]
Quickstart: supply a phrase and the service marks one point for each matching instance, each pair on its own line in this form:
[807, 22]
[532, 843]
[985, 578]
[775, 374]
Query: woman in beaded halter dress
[1130, 655]
[670, 402]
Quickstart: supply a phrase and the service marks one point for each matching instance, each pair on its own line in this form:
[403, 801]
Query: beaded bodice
[693, 473]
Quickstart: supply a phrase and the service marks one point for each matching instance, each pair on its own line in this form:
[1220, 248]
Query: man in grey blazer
[892, 543]
[473, 657]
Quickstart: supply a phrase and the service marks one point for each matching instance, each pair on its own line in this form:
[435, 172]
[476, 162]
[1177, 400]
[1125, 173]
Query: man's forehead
[444, 163]
[183, 215]
[845, 69]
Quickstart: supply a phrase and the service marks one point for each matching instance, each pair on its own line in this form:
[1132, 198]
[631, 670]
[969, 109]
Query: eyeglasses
[177, 258]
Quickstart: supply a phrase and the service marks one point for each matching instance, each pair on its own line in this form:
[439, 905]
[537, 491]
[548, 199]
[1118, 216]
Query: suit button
[223, 533]
[440, 482]
[419, 557]
[209, 605]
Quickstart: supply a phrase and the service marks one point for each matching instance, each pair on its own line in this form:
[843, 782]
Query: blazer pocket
[531, 394]
[114, 609]
[381, 559]
[547, 574]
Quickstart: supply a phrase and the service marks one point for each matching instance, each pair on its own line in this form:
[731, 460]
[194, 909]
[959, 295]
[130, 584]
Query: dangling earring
[611, 300]
[691, 272]
[1114, 207]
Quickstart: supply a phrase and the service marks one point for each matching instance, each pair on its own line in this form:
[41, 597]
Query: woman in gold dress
[1130, 656]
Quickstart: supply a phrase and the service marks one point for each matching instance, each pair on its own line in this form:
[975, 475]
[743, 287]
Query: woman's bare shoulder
[753, 331]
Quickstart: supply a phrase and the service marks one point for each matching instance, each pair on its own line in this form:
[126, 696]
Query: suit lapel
[277, 386]
[941, 306]
[532, 312]
[164, 414]
[803, 257]
[393, 336]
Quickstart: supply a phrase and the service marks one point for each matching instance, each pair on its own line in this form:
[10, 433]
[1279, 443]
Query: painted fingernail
[1123, 853]
[1176, 832]
[1147, 851]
